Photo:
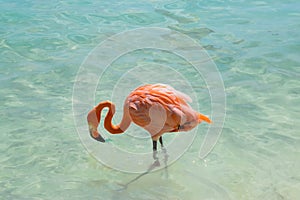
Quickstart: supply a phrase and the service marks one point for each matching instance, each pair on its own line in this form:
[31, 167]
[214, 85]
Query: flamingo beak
[95, 134]
[93, 123]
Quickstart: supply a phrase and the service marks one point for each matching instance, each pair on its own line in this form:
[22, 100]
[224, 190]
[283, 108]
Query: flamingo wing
[158, 106]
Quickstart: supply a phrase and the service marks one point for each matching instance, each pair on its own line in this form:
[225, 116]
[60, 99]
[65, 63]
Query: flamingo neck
[114, 129]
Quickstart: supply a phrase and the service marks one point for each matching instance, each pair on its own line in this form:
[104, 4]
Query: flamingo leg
[161, 142]
[154, 142]
[154, 145]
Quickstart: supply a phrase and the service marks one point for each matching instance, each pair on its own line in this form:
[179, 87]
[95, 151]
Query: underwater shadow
[156, 163]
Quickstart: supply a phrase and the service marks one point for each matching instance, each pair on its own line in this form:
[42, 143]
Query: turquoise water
[255, 45]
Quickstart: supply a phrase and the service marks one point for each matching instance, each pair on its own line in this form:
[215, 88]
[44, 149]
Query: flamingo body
[158, 108]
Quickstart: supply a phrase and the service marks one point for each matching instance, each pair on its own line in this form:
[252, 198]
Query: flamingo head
[93, 122]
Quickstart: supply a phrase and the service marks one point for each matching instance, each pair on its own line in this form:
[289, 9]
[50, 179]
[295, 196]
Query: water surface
[255, 45]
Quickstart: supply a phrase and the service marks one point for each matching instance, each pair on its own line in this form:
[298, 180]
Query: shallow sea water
[255, 45]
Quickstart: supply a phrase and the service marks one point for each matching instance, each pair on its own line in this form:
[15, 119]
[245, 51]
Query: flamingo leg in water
[161, 142]
[155, 143]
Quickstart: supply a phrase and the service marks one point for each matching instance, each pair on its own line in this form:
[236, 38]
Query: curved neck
[114, 129]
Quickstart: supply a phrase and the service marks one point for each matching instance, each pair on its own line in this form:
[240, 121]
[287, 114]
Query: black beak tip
[99, 138]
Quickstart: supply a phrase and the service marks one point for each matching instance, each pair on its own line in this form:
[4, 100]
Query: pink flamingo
[158, 108]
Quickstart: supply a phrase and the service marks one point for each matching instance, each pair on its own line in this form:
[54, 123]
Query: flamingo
[158, 108]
